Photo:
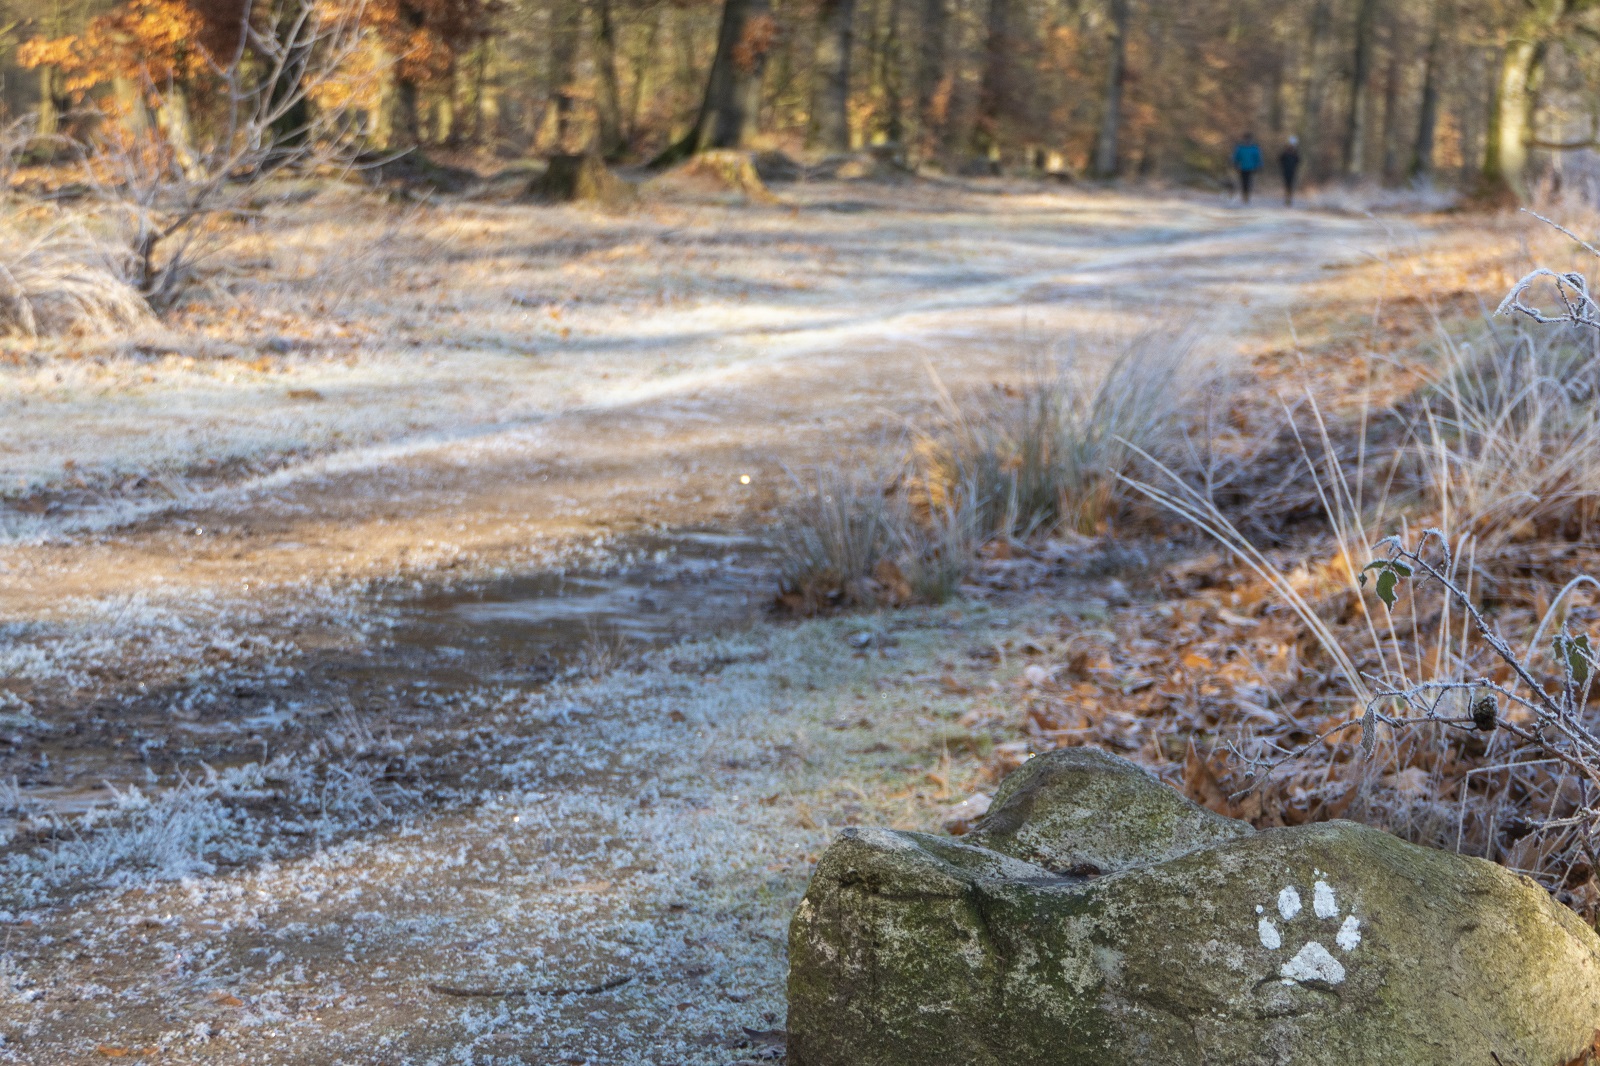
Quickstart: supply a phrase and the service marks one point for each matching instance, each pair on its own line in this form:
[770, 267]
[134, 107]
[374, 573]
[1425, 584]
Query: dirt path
[354, 827]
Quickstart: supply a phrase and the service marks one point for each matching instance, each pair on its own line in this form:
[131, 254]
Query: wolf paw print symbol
[1312, 963]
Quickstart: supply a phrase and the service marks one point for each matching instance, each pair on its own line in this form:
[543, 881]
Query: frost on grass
[620, 840]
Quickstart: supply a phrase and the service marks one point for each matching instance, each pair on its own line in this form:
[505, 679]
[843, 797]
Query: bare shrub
[1407, 708]
[175, 190]
[1413, 709]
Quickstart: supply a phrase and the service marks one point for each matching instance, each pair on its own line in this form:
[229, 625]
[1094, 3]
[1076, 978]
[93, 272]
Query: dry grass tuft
[1031, 460]
[59, 282]
[1510, 436]
[835, 543]
[1050, 454]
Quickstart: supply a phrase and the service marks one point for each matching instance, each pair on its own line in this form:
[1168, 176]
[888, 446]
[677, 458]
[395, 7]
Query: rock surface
[1082, 810]
[1204, 942]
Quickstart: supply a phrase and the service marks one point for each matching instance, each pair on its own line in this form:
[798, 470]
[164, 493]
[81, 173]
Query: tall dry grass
[1497, 459]
[1034, 459]
[1509, 435]
[55, 278]
[1050, 454]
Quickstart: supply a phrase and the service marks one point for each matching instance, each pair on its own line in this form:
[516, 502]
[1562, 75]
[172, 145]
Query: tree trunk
[830, 121]
[1000, 59]
[1355, 138]
[177, 124]
[130, 99]
[644, 60]
[1505, 158]
[1105, 153]
[1428, 107]
[730, 109]
[613, 137]
[396, 125]
[893, 79]
[932, 98]
[291, 107]
[49, 108]
[1316, 81]
[1391, 117]
[565, 26]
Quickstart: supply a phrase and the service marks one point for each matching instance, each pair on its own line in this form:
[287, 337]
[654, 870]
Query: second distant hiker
[1289, 163]
[1247, 160]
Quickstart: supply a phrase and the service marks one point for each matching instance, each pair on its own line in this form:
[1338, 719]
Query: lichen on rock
[1200, 941]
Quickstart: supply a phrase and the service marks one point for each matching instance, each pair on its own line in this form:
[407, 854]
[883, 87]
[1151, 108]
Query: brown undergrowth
[1245, 670]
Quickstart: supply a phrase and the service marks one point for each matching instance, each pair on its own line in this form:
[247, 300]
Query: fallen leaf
[949, 683]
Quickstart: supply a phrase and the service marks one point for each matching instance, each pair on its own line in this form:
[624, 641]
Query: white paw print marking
[1313, 962]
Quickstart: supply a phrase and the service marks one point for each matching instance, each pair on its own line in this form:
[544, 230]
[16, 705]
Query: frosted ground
[271, 795]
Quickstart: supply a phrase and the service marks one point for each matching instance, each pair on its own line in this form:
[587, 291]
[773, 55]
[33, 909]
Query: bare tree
[1516, 93]
[165, 198]
[566, 19]
[1428, 108]
[613, 137]
[732, 102]
[996, 86]
[933, 30]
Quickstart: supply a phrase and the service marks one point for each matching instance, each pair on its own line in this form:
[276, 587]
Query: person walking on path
[1247, 160]
[1289, 163]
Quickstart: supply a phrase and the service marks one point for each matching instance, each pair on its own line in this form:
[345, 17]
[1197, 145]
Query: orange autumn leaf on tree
[425, 35]
[154, 39]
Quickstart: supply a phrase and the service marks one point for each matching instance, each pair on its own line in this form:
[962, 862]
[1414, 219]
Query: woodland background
[1483, 94]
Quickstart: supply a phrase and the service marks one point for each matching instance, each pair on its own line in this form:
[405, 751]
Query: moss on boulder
[1084, 810]
[1323, 944]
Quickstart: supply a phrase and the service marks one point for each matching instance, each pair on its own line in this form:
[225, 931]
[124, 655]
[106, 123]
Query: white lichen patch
[1322, 901]
[1311, 961]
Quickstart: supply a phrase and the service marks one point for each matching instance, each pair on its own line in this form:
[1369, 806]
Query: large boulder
[1202, 942]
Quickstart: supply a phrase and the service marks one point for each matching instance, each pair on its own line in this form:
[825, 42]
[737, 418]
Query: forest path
[404, 839]
[767, 366]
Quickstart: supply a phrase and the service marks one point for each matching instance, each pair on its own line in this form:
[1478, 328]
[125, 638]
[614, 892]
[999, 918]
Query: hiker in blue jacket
[1247, 160]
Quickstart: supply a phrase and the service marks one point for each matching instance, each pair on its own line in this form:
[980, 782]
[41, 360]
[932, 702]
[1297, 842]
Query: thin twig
[512, 993]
